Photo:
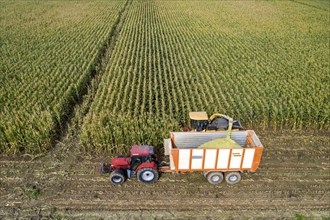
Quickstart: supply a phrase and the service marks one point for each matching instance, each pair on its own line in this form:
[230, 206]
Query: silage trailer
[186, 155]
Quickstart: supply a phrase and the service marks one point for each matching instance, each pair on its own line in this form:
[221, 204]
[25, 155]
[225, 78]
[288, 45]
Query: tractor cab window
[135, 162]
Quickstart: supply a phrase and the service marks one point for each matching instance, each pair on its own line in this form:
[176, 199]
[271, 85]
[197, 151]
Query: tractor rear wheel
[214, 177]
[233, 177]
[147, 175]
[117, 177]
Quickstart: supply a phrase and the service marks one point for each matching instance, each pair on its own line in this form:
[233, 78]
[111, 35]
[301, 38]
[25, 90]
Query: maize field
[265, 63]
[48, 53]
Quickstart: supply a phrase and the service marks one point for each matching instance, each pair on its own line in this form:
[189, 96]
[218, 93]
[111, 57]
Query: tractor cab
[141, 154]
[138, 155]
[199, 121]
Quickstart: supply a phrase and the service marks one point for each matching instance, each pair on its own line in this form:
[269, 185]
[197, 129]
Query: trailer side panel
[187, 159]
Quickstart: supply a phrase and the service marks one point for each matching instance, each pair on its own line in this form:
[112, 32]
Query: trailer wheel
[233, 177]
[147, 175]
[117, 177]
[214, 177]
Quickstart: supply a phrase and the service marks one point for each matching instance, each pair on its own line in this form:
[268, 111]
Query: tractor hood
[121, 161]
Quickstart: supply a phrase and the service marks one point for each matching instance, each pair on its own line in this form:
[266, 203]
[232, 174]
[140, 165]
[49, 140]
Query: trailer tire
[117, 177]
[233, 177]
[147, 175]
[214, 177]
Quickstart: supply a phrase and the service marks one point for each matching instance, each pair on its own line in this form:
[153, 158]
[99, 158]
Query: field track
[293, 180]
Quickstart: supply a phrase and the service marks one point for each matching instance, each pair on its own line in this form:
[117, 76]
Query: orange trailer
[186, 155]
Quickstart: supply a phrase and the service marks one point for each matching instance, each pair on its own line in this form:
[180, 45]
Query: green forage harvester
[226, 142]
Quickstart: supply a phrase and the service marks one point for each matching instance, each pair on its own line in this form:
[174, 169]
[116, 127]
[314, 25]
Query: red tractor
[142, 163]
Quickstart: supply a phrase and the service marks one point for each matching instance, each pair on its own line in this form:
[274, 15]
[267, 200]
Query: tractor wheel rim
[215, 178]
[148, 175]
[116, 179]
[233, 178]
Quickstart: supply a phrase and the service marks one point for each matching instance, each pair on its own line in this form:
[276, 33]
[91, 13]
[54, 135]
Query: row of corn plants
[265, 63]
[48, 53]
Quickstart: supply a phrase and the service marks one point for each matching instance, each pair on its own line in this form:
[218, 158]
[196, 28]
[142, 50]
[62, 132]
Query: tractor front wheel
[147, 175]
[117, 177]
